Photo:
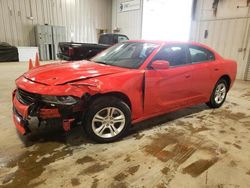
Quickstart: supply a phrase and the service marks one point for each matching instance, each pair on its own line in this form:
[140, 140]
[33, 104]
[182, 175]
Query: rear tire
[107, 119]
[219, 94]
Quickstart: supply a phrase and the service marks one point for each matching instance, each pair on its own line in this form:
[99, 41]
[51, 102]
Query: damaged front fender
[118, 83]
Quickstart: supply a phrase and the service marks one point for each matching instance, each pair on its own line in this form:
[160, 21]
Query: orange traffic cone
[37, 63]
[30, 64]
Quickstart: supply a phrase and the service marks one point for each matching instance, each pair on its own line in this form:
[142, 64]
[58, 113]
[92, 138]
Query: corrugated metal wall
[228, 31]
[81, 18]
[129, 23]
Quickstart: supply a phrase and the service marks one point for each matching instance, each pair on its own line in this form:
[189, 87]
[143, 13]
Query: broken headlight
[63, 100]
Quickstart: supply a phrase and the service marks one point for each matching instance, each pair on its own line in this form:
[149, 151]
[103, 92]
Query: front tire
[107, 119]
[219, 94]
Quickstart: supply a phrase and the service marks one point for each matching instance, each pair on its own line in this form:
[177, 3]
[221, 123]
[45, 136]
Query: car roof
[114, 34]
[165, 42]
[172, 42]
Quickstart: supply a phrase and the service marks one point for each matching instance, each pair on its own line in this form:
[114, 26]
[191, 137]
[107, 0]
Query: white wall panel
[80, 17]
[26, 24]
[226, 9]
[7, 21]
[227, 31]
[129, 23]
[2, 28]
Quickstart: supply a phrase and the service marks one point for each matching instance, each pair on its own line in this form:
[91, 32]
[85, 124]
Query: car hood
[62, 73]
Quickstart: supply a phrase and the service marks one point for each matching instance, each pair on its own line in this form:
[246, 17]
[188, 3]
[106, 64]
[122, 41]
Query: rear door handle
[216, 69]
[187, 76]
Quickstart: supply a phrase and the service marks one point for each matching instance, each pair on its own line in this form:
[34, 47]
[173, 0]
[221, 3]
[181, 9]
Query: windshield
[127, 54]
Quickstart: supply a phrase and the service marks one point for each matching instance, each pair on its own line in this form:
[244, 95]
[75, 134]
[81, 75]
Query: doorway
[166, 19]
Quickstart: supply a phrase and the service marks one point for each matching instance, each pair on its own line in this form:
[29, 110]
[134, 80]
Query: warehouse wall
[128, 22]
[228, 31]
[81, 18]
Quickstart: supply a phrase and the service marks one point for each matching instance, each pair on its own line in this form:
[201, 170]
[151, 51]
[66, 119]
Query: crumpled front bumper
[22, 114]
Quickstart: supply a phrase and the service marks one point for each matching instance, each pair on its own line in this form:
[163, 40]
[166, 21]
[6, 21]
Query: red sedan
[127, 83]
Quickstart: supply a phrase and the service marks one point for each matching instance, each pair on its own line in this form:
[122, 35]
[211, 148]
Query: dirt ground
[196, 147]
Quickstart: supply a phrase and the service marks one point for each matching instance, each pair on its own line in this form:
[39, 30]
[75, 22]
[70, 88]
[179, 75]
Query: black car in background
[78, 51]
[8, 53]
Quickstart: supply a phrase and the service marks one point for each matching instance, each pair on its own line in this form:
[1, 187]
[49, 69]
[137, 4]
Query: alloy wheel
[220, 93]
[108, 122]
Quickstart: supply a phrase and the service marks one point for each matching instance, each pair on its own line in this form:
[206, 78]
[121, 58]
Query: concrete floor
[194, 147]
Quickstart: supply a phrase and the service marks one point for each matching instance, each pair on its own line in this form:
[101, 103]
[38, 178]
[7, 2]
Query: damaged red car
[127, 83]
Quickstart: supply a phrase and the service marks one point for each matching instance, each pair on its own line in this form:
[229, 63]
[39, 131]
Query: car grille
[26, 97]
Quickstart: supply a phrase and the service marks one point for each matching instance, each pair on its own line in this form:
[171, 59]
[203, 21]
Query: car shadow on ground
[162, 119]
[76, 136]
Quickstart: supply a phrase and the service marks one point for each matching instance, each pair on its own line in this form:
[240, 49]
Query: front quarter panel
[129, 83]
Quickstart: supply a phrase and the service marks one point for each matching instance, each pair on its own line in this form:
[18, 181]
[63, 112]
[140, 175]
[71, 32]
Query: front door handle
[187, 76]
[216, 69]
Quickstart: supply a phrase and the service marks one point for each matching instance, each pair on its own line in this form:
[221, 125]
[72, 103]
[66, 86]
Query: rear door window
[199, 54]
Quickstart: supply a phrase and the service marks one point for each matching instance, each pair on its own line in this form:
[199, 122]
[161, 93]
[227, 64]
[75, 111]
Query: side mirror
[160, 65]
